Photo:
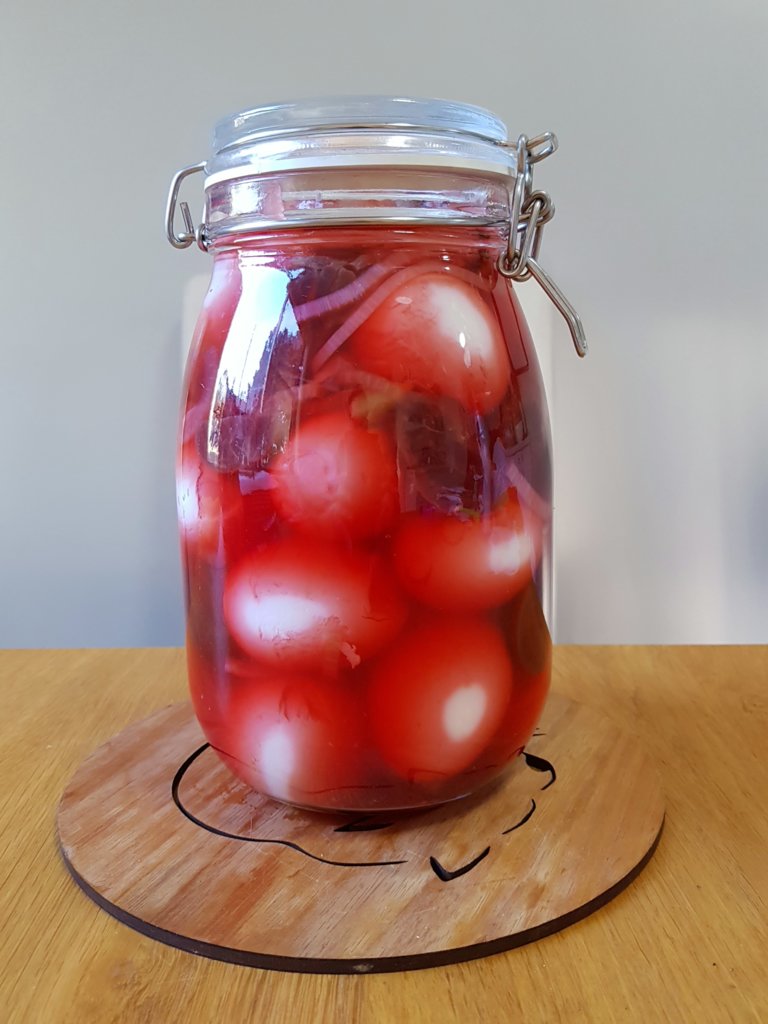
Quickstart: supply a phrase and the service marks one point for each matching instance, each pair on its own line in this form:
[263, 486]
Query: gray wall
[661, 112]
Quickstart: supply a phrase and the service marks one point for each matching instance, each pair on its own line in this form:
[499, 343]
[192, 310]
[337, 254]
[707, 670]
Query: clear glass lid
[349, 131]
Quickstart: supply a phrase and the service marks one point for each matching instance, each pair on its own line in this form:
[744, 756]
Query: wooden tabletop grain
[687, 941]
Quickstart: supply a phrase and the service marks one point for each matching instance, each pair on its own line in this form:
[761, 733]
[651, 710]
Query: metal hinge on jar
[190, 233]
[530, 212]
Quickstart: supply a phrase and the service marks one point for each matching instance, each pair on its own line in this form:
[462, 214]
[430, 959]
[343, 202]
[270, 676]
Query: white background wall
[661, 453]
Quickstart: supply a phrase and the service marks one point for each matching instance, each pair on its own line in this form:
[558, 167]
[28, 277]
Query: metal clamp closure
[530, 211]
[189, 235]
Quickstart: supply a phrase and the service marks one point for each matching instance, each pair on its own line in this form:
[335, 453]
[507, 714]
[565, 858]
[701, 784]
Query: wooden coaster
[157, 832]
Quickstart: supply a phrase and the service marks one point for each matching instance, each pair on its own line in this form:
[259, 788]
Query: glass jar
[364, 473]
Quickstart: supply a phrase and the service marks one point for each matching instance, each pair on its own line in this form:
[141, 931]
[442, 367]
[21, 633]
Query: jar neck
[396, 197]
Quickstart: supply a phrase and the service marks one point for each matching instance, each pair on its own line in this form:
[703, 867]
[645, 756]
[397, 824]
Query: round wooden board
[158, 833]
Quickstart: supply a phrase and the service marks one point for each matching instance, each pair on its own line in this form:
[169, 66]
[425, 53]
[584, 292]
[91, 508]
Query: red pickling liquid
[364, 490]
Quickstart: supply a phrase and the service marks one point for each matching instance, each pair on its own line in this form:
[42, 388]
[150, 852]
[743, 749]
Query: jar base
[375, 811]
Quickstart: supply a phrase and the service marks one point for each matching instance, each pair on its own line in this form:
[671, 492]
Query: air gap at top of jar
[364, 473]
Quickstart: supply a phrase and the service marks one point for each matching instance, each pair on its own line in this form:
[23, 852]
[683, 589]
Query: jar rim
[362, 111]
[357, 131]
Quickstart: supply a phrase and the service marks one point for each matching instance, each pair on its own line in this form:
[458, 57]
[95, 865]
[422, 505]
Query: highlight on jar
[362, 526]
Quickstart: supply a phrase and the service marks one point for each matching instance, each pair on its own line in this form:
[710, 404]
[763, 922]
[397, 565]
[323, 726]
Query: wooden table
[688, 941]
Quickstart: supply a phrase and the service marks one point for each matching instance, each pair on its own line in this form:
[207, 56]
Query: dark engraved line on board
[540, 764]
[524, 818]
[447, 876]
[366, 824]
[255, 839]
